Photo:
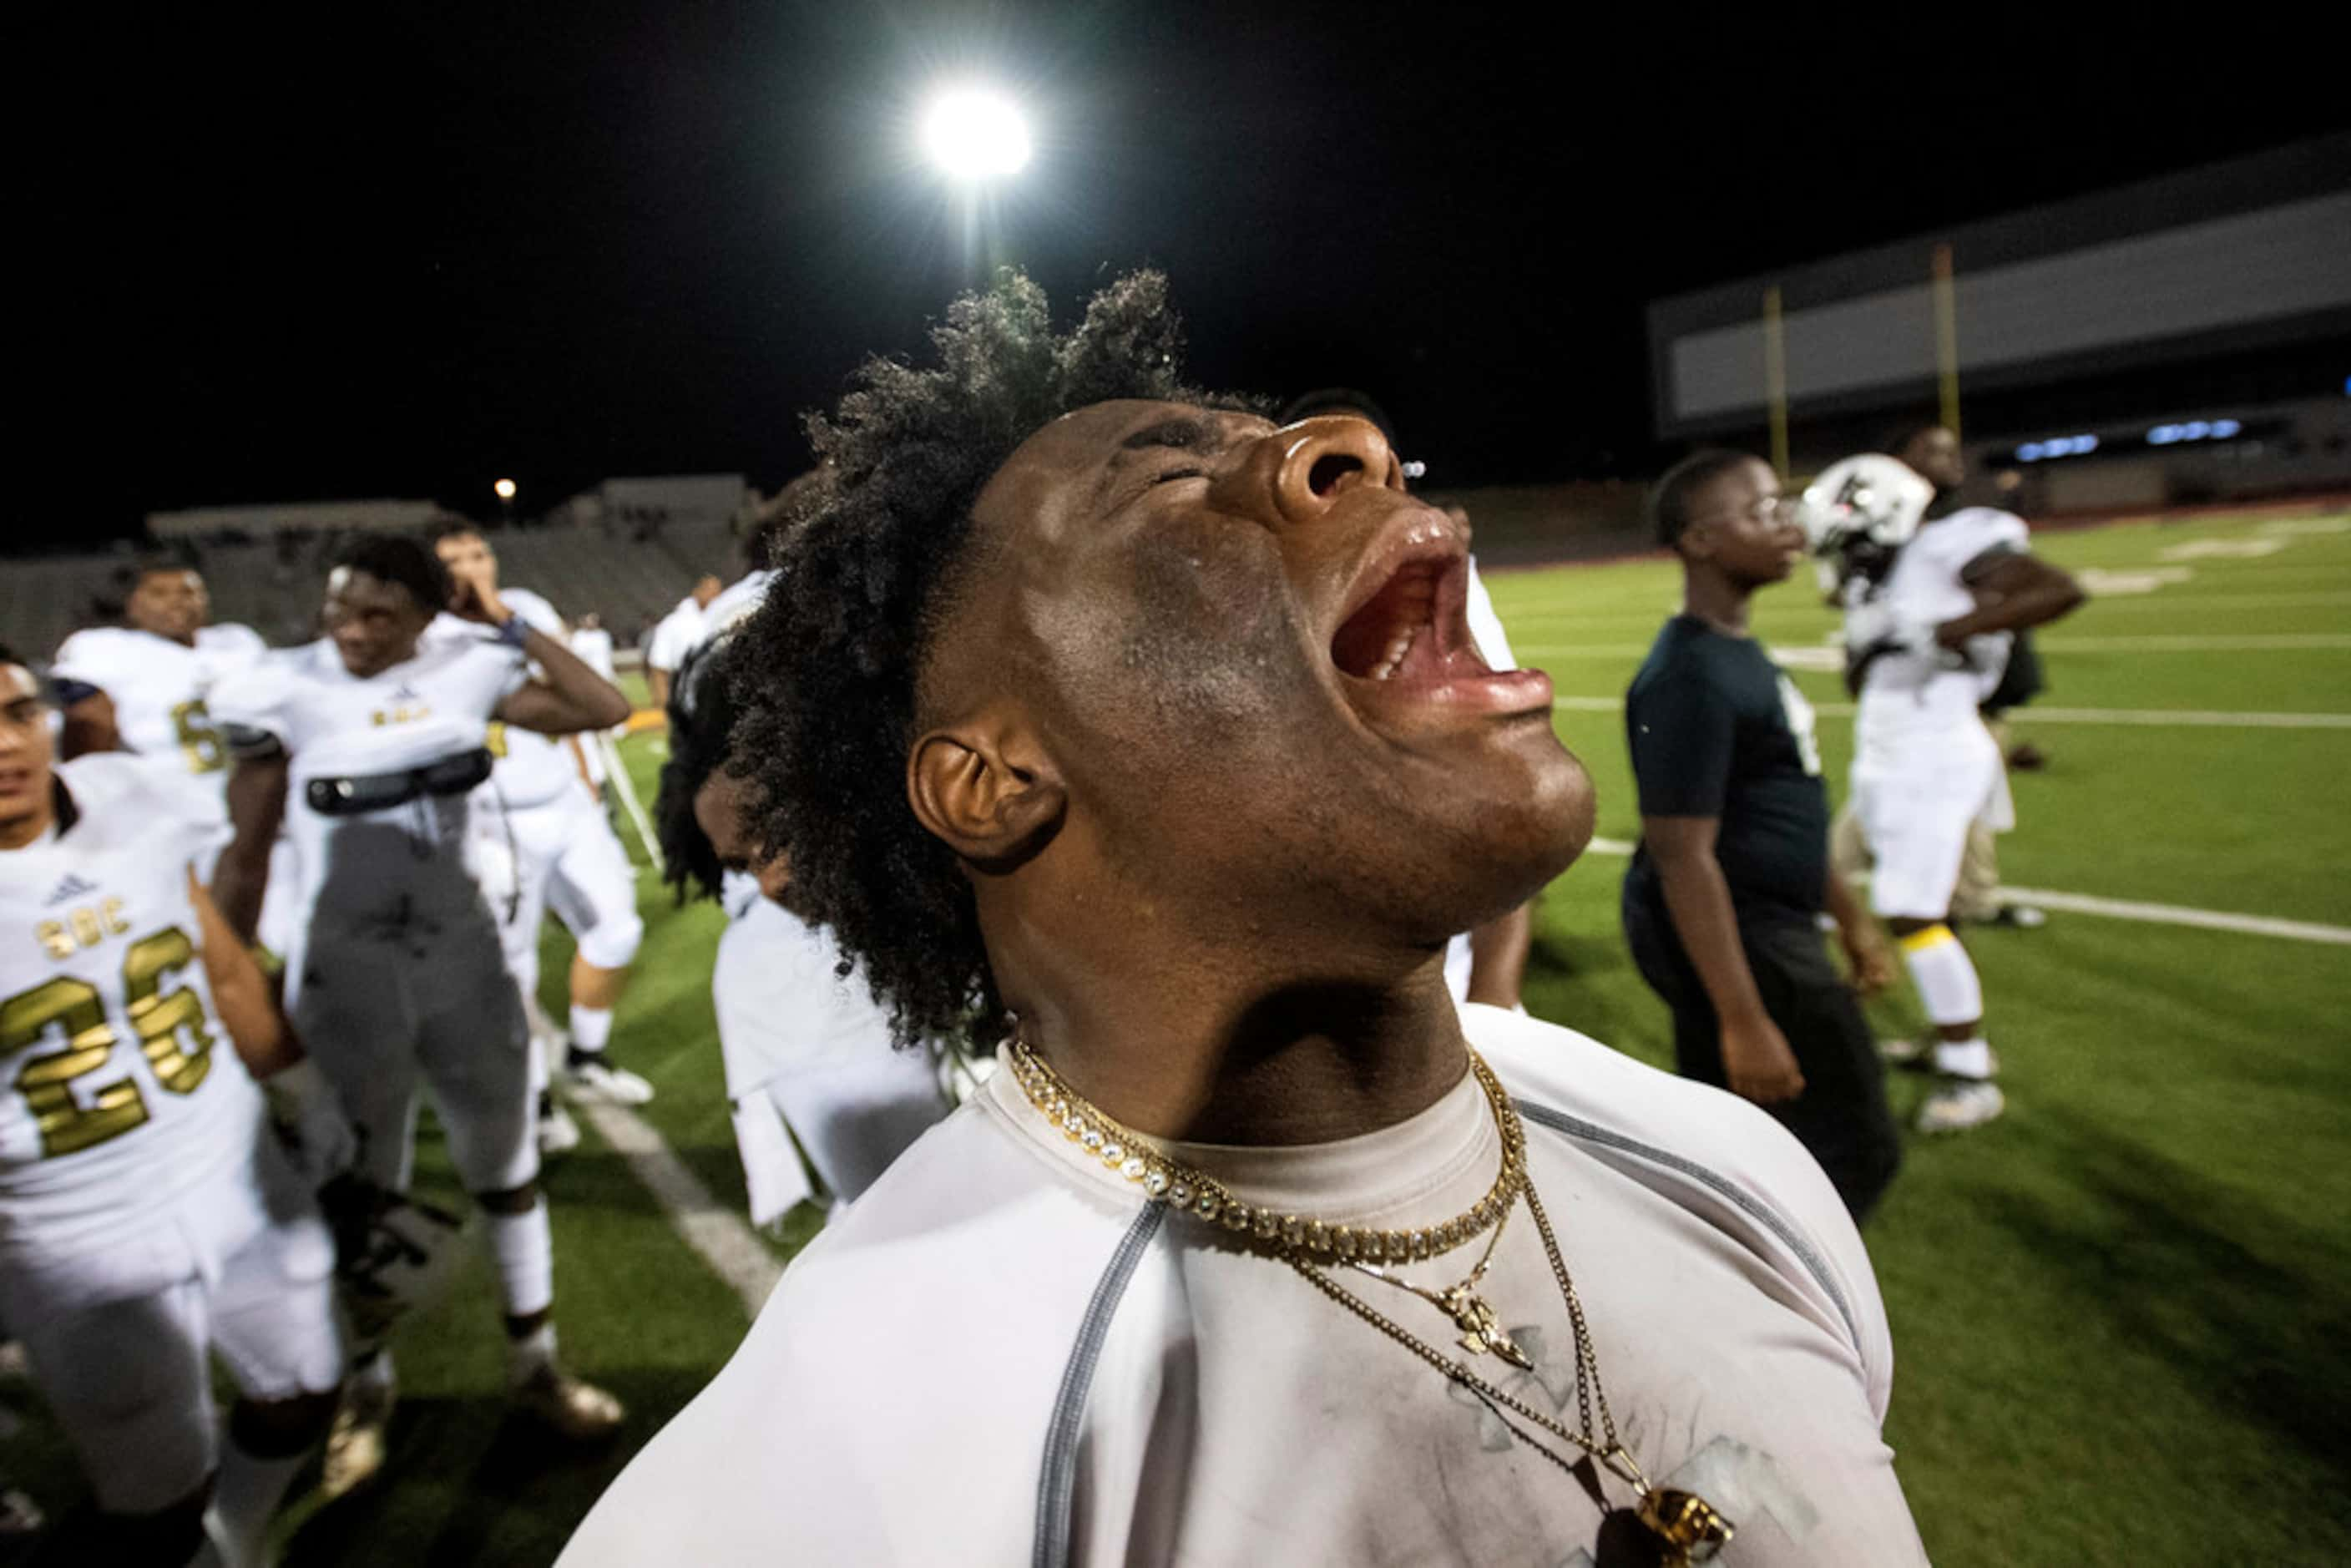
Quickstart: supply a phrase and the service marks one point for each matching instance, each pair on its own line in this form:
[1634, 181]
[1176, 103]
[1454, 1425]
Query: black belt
[351, 797]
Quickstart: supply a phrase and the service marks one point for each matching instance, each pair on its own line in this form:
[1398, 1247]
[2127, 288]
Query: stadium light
[974, 134]
[505, 488]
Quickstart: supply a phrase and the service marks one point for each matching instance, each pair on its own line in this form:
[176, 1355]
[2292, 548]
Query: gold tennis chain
[1132, 1155]
[1688, 1529]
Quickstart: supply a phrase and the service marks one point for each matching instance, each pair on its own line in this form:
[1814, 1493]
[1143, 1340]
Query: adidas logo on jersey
[71, 888]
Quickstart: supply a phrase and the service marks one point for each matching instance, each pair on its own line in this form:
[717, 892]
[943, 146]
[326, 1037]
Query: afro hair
[829, 662]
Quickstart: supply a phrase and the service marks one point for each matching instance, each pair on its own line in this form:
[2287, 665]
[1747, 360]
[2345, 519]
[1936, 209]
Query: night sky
[342, 254]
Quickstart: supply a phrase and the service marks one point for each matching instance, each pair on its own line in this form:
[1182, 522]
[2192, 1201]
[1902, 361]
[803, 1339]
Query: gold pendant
[1687, 1523]
[1481, 1329]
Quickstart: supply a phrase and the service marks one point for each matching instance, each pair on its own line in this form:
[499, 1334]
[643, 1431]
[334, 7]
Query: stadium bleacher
[276, 591]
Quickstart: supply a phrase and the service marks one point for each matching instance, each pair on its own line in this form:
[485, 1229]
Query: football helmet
[1860, 511]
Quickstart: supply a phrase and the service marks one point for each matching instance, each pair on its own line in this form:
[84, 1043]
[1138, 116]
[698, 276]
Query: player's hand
[310, 1123]
[1759, 1064]
[472, 597]
[1872, 962]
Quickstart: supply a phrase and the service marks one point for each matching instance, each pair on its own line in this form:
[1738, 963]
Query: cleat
[557, 1133]
[355, 1443]
[1962, 1104]
[2020, 917]
[588, 1074]
[570, 1406]
[1905, 1052]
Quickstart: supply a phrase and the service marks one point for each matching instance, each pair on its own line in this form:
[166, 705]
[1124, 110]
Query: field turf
[2122, 1314]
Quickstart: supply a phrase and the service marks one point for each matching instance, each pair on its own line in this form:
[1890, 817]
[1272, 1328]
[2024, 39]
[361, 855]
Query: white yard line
[2191, 718]
[720, 1237]
[2130, 909]
[2258, 643]
[2176, 914]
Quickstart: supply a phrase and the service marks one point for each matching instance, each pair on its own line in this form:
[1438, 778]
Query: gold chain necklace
[1687, 1528]
[1134, 1156]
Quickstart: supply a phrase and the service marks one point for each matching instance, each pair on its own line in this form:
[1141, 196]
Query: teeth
[1392, 660]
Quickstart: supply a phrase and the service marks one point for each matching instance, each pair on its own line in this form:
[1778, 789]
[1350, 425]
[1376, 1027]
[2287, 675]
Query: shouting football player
[1148, 738]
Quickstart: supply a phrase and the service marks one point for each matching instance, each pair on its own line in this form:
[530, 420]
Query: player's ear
[985, 788]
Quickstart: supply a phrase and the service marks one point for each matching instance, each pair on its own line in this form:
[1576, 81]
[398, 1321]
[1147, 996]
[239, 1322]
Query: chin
[1515, 846]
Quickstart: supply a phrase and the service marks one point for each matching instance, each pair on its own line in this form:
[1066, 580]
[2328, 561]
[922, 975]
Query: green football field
[2122, 1314]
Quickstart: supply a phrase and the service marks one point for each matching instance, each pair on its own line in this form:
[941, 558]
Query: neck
[1712, 597]
[1213, 1047]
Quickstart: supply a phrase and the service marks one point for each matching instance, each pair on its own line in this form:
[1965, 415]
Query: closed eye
[1179, 473]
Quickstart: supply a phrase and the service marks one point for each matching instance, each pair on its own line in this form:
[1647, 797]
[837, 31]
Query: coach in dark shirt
[1722, 903]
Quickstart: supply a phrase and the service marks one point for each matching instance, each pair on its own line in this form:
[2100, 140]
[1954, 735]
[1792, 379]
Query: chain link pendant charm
[1690, 1527]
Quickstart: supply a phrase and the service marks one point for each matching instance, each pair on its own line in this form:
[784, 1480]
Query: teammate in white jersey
[147, 1219]
[805, 1048]
[141, 686]
[542, 817]
[1926, 636]
[677, 635]
[368, 745]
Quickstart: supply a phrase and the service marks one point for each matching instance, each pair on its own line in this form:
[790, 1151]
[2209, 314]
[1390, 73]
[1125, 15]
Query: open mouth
[1414, 629]
[1405, 653]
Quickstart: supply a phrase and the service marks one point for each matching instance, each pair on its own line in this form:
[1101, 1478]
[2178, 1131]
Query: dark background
[340, 253]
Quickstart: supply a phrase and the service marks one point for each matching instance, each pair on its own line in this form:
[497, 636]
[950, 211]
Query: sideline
[721, 1238]
[2194, 718]
[2128, 909]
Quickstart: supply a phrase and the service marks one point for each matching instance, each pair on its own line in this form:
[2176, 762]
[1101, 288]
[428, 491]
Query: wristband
[512, 632]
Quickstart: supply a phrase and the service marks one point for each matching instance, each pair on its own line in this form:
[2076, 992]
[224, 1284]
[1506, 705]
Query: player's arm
[2013, 591]
[303, 1105]
[572, 698]
[1866, 952]
[256, 809]
[657, 687]
[241, 993]
[1755, 1054]
[88, 721]
[1497, 956]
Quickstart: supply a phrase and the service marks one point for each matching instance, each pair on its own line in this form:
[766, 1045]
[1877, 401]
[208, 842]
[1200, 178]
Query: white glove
[310, 1121]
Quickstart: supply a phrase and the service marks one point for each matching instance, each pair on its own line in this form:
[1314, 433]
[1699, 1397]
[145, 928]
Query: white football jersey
[533, 770]
[160, 688]
[732, 606]
[679, 632]
[121, 1086]
[592, 647]
[1919, 687]
[388, 868]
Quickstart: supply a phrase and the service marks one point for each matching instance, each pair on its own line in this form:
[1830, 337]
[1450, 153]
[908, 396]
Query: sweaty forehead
[17, 683]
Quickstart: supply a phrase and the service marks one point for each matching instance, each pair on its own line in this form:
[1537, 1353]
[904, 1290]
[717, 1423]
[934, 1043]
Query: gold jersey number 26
[73, 1007]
